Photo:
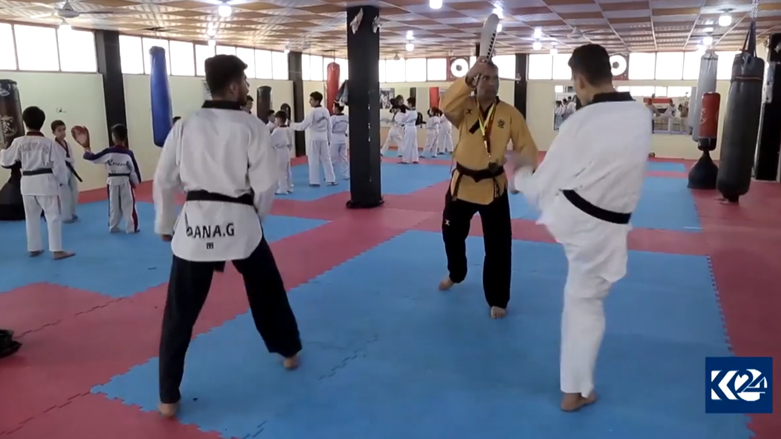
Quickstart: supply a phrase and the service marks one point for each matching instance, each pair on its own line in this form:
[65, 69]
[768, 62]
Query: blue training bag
[162, 114]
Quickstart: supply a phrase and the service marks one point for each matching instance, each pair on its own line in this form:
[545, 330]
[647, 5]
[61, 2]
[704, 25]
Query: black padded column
[296, 77]
[769, 145]
[363, 59]
[521, 82]
[477, 49]
[110, 67]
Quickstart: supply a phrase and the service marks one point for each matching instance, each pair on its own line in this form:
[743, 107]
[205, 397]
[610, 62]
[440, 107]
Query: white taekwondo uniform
[318, 122]
[282, 140]
[43, 173]
[445, 144]
[69, 193]
[432, 136]
[586, 189]
[394, 134]
[224, 160]
[123, 177]
[409, 152]
[340, 126]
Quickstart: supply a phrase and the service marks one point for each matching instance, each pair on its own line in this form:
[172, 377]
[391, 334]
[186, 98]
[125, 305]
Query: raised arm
[167, 182]
[9, 157]
[100, 158]
[455, 100]
[304, 124]
[262, 170]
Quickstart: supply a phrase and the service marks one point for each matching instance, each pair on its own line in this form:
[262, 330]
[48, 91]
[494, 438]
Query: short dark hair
[281, 115]
[33, 118]
[316, 95]
[592, 62]
[271, 113]
[412, 101]
[249, 98]
[221, 71]
[176, 119]
[56, 124]
[119, 132]
[338, 107]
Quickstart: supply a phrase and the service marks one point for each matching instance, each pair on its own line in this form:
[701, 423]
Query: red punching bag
[709, 121]
[433, 97]
[332, 85]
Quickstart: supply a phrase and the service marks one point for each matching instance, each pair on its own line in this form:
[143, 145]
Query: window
[263, 65]
[678, 92]
[436, 70]
[558, 89]
[77, 51]
[36, 48]
[416, 70]
[472, 60]
[7, 47]
[248, 56]
[149, 43]
[225, 50]
[642, 91]
[660, 92]
[131, 55]
[395, 70]
[182, 58]
[344, 69]
[624, 88]
[691, 65]
[382, 70]
[669, 65]
[316, 67]
[641, 66]
[724, 69]
[306, 68]
[202, 53]
[561, 68]
[540, 66]
[280, 70]
[506, 65]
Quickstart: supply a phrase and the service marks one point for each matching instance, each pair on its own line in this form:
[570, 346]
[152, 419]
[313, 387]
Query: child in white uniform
[340, 126]
[432, 133]
[282, 139]
[69, 193]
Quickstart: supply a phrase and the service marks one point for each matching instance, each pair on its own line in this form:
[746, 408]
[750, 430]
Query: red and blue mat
[386, 355]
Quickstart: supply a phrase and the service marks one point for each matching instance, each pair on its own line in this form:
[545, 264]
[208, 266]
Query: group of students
[49, 184]
[403, 131]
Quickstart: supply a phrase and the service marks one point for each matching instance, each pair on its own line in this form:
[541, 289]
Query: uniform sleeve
[262, 171]
[541, 186]
[292, 140]
[167, 182]
[328, 131]
[455, 100]
[9, 157]
[59, 168]
[523, 143]
[100, 158]
[304, 124]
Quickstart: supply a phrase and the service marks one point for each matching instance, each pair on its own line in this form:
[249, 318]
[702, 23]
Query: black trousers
[187, 290]
[497, 238]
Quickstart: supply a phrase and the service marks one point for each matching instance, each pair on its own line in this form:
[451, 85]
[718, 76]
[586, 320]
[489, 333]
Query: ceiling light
[211, 42]
[65, 27]
[499, 13]
[708, 30]
[537, 32]
[707, 41]
[700, 48]
[434, 4]
[537, 45]
[410, 35]
[224, 10]
[725, 20]
[211, 32]
[410, 47]
[553, 51]
[499, 27]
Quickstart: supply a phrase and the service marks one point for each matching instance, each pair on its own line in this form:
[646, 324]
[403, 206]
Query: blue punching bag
[162, 114]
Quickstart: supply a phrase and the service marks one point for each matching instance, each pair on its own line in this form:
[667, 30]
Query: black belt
[245, 199]
[73, 170]
[116, 174]
[594, 211]
[41, 171]
[493, 171]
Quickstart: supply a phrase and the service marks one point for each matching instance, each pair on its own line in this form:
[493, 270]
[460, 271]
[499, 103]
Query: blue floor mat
[396, 180]
[665, 204]
[117, 265]
[398, 359]
[666, 167]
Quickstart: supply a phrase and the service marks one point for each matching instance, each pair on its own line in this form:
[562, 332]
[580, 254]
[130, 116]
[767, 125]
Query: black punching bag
[766, 166]
[741, 122]
[264, 102]
[11, 205]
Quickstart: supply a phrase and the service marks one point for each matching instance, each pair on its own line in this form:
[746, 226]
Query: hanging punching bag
[433, 97]
[704, 173]
[162, 114]
[741, 122]
[341, 96]
[264, 102]
[332, 85]
[11, 206]
[709, 64]
[769, 145]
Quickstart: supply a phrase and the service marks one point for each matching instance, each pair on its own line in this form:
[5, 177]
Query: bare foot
[63, 255]
[572, 402]
[498, 313]
[446, 284]
[168, 410]
[36, 253]
[292, 363]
